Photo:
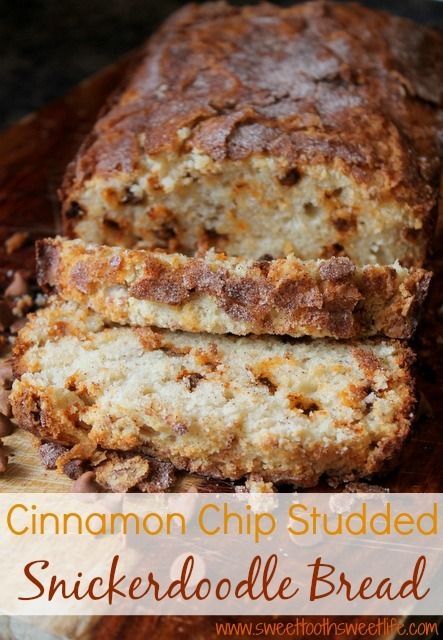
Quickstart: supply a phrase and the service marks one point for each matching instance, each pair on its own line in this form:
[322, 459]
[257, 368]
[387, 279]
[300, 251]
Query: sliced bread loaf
[217, 405]
[217, 294]
[311, 130]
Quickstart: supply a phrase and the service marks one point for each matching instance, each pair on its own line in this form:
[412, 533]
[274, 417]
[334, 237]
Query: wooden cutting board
[33, 157]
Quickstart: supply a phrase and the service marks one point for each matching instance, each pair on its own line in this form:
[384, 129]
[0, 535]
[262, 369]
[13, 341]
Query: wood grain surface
[33, 157]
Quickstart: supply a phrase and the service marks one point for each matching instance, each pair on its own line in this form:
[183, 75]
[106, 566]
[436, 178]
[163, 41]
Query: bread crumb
[119, 474]
[256, 484]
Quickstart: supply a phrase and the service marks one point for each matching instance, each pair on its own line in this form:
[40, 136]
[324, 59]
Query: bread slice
[217, 294]
[218, 405]
[311, 130]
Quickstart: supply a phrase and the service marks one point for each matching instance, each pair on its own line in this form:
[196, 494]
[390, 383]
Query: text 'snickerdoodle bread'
[311, 130]
[218, 405]
[216, 294]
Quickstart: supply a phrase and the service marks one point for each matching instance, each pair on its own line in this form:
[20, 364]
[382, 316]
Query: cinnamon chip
[17, 287]
[161, 477]
[180, 428]
[50, 452]
[120, 473]
[74, 469]
[86, 484]
[16, 241]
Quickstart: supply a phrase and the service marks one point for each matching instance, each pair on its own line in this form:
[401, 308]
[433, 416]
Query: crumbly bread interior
[218, 405]
[251, 207]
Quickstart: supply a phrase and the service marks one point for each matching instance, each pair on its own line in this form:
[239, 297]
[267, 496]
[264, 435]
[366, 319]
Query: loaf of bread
[214, 293]
[262, 130]
[218, 405]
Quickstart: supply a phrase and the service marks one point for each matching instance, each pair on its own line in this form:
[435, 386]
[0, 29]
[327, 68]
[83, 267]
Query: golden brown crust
[319, 83]
[287, 296]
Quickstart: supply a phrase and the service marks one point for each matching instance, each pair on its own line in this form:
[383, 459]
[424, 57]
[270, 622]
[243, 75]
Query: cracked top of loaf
[319, 84]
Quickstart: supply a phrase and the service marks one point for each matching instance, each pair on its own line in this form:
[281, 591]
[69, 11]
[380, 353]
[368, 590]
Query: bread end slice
[214, 293]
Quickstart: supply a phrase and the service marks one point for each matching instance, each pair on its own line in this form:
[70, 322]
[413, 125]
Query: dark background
[47, 46]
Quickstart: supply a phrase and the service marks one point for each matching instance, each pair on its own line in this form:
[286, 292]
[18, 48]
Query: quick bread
[263, 130]
[224, 406]
[214, 293]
